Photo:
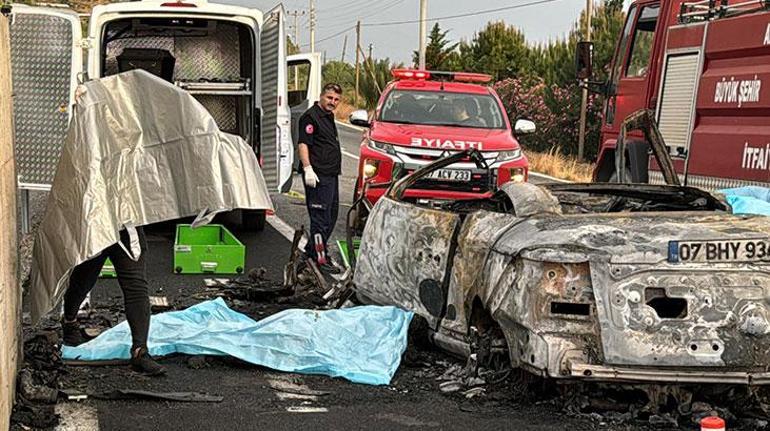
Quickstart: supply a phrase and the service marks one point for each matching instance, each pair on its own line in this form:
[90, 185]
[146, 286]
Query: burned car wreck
[607, 282]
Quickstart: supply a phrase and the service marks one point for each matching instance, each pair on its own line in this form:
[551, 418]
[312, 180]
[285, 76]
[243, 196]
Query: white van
[232, 59]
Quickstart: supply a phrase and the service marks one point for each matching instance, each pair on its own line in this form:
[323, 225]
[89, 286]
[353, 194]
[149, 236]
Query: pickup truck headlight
[504, 156]
[382, 147]
[517, 175]
[370, 168]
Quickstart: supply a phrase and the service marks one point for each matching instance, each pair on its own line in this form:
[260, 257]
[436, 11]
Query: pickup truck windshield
[441, 108]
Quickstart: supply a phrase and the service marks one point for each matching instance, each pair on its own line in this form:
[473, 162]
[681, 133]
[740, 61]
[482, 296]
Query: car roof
[448, 86]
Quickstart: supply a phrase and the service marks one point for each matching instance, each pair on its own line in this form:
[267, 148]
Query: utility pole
[344, 47]
[296, 14]
[312, 26]
[584, 99]
[358, 58]
[423, 32]
[371, 47]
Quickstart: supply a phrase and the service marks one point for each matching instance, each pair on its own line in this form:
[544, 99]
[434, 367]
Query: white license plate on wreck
[744, 250]
[451, 175]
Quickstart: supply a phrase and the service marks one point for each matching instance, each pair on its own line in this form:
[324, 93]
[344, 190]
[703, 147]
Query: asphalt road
[412, 400]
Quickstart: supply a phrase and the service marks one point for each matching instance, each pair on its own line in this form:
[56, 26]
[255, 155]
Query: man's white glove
[311, 179]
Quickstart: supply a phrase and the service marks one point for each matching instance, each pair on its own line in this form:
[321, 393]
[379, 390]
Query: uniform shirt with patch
[318, 131]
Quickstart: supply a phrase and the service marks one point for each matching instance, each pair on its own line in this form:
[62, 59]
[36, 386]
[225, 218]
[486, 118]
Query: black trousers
[323, 203]
[132, 279]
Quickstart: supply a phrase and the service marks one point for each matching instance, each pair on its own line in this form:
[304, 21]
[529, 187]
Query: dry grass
[343, 111]
[556, 164]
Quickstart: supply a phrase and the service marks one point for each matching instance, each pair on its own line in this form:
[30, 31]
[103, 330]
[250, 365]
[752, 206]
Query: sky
[539, 22]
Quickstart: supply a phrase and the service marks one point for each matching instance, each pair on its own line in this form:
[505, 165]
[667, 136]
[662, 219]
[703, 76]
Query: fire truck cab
[699, 65]
[426, 115]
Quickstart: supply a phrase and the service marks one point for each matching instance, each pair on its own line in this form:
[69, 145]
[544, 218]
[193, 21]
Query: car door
[46, 54]
[407, 250]
[304, 87]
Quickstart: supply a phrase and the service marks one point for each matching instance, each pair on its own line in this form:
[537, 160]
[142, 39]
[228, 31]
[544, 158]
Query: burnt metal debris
[576, 280]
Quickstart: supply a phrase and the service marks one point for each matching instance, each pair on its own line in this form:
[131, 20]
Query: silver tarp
[139, 151]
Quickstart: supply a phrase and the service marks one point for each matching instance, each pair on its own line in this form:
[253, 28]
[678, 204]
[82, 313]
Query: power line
[356, 14]
[333, 36]
[481, 12]
[386, 7]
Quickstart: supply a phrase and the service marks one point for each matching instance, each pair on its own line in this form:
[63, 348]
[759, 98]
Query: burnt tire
[418, 334]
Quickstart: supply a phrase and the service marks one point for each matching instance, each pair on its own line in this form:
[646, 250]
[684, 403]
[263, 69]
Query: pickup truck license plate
[451, 175]
[744, 250]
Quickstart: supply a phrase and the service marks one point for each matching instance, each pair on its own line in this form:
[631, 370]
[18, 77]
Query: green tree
[375, 75]
[498, 49]
[291, 47]
[339, 72]
[440, 53]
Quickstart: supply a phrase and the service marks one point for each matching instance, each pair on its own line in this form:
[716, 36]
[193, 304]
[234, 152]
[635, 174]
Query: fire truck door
[631, 67]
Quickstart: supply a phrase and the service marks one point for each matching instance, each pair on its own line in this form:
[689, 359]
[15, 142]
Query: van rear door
[304, 87]
[46, 54]
[276, 149]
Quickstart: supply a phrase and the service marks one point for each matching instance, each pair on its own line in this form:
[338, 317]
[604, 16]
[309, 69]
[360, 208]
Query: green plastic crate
[209, 249]
[343, 246]
[108, 270]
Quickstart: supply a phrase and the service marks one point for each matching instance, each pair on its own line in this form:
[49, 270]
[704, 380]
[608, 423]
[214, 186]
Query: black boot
[72, 335]
[142, 362]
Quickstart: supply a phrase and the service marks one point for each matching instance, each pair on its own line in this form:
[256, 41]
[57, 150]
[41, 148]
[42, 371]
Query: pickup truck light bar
[440, 75]
[178, 4]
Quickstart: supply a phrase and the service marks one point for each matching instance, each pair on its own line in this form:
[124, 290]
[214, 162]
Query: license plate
[451, 175]
[744, 250]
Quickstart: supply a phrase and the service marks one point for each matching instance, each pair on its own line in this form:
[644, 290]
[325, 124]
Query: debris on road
[159, 303]
[38, 381]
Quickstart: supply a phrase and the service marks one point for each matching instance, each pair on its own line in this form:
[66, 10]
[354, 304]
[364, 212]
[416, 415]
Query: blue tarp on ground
[362, 344]
[749, 200]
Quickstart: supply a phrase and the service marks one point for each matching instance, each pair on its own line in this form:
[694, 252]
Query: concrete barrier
[10, 295]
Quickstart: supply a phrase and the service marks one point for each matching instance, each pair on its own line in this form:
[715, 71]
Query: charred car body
[623, 282]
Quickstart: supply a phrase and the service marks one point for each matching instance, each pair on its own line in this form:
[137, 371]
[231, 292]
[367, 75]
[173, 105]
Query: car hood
[442, 137]
[623, 238]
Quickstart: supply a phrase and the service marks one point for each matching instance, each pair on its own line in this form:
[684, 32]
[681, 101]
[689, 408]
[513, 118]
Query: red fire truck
[700, 66]
[425, 115]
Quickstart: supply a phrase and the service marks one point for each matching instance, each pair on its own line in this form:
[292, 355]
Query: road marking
[306, 409]
[285, 230]
[349, 154]
[350, 126]
[76, 417]
[548, 177]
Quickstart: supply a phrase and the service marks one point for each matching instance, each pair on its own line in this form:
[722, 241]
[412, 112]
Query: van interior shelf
[216, 88]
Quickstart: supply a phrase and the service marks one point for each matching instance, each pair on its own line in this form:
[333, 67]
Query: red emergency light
[178, 4]
[410, 74]
[441, 76]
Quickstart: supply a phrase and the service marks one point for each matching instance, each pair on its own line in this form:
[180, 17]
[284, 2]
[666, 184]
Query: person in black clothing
[133, 282]
[321, 157]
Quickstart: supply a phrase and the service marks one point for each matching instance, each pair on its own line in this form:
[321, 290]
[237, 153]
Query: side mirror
[584, 60]
[360, 118]
[524, 127]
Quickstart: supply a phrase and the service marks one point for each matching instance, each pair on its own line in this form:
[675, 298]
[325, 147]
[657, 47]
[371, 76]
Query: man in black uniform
[319, 152]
